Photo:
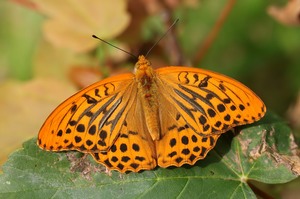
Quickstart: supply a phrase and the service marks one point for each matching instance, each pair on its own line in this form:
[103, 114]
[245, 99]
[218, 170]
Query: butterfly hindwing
[133, 149]
[180, 142]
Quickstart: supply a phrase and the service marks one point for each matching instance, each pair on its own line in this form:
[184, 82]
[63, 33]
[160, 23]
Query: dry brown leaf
[71, 23]
[84, 76]
[26, 3]
[288, 15]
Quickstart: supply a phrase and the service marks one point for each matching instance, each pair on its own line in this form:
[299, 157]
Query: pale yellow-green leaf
[24, 107]
[71, 23]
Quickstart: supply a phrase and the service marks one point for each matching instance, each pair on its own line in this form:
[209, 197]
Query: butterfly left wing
[105, 120]
[196, 106]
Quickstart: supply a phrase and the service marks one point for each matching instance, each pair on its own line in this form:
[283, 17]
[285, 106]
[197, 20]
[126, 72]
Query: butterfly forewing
[89, 120]
[210, 102]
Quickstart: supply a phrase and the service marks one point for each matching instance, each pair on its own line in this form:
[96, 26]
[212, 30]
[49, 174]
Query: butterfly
[165, 117]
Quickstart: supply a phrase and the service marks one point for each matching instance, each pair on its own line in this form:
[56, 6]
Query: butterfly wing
[104, 120]
[91, 119]
[196, 106]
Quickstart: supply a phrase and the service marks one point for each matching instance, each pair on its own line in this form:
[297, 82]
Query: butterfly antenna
[94, 36]
[173, 24]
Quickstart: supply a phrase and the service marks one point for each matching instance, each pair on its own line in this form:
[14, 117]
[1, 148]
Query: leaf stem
[214, 32]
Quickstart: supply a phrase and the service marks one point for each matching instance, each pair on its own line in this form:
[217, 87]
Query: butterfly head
[142, 63]
[143, 67]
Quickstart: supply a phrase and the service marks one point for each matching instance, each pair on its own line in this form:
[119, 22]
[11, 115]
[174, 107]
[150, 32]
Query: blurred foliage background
[47, 52]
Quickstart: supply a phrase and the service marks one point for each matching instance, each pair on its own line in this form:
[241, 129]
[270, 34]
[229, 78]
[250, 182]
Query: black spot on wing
[204, 82]
[89, 99]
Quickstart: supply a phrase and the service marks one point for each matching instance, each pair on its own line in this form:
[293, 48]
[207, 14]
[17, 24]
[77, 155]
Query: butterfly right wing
[196, 107]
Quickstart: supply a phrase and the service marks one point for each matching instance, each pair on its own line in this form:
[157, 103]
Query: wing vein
[110, 111]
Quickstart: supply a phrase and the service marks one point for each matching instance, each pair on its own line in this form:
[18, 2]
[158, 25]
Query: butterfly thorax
[147, 87]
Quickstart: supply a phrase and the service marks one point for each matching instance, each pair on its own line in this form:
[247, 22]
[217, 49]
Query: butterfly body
[146, 88]
[166, 117]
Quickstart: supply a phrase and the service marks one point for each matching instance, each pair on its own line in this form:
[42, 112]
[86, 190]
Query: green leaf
[17, 44]
[263, 152]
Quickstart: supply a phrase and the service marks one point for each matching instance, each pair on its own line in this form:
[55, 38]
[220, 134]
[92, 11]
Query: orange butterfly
[166, 117]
